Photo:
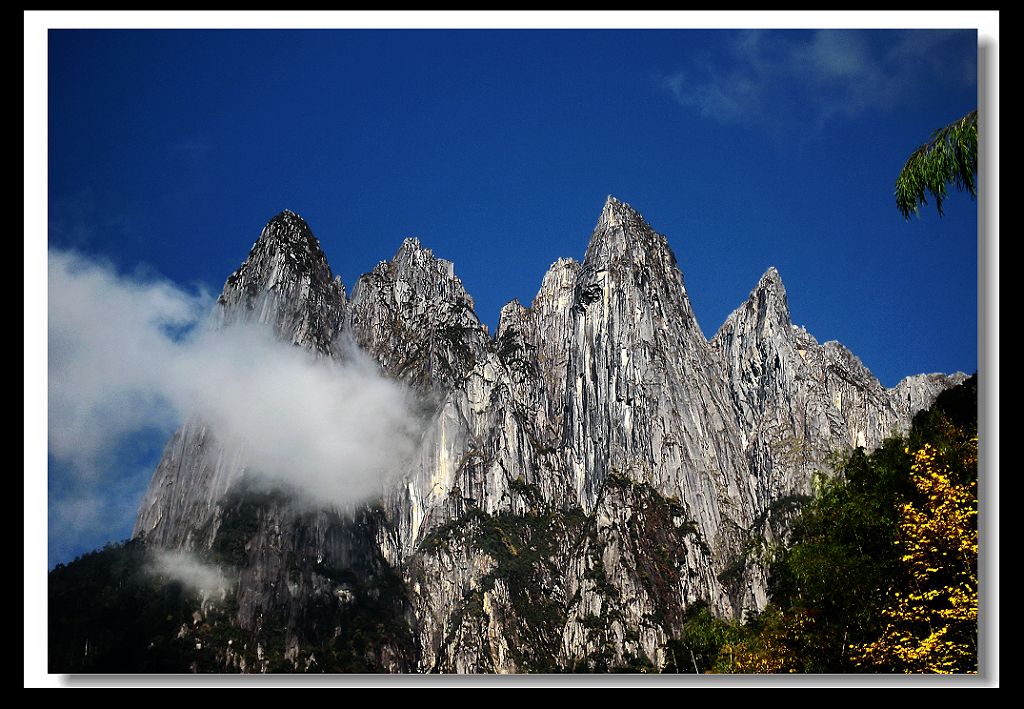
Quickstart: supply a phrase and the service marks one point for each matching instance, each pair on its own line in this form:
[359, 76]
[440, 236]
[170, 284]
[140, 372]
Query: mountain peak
[411, 245]
[412, 242]
[618, 213]
[287, 231]
[769, 298]
[413, 256]
[602, 405]
[771, 282]
[286, 281]
[288, 218]
[765, 310]
[622, 234]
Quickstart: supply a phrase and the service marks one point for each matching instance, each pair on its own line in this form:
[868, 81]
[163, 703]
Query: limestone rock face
[582, 476]
[918, 391]
[286, 284]
[796, 400]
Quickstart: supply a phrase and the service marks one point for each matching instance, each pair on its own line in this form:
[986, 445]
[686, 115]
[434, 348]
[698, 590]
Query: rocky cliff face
[286, 284]
[582, 477]
[918, 391]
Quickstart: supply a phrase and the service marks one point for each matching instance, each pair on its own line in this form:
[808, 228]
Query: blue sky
[169, 150]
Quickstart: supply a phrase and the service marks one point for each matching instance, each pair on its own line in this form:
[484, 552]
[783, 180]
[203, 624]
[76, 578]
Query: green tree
[699, 644]
[880, 573]
[773, 642]
[841, 559]
[949, 157]
[933, 625]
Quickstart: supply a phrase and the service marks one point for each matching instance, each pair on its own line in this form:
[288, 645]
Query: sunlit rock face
[581, 477]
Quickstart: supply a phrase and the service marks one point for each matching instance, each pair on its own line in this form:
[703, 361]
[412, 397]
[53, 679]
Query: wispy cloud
[773, 79]
[196, 575]
[110, 343]
[126, 355]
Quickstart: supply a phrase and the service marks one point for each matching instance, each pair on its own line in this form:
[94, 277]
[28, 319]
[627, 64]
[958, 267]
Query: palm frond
[949, 157]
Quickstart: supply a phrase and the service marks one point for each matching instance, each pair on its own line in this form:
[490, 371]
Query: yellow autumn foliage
[771, 650]
[932, 628]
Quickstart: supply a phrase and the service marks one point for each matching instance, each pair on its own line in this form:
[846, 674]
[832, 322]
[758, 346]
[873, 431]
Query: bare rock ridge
[583, 476]
[287, 283]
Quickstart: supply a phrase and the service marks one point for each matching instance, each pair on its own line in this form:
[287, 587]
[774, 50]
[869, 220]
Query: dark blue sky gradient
[169, 150]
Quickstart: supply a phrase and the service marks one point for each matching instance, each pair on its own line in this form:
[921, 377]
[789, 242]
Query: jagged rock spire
[623, 235]
[286, 282]
[601, 414]
[286, 241]
[766, 310]
[616, 212]
[414, 315]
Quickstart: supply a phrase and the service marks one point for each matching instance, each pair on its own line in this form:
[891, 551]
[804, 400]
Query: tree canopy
[949, 157]
[880, 572]
[932, 625]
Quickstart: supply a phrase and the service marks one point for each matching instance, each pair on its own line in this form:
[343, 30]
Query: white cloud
[334, 430]
[126, 355]
[186, 569]
[110, 342]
